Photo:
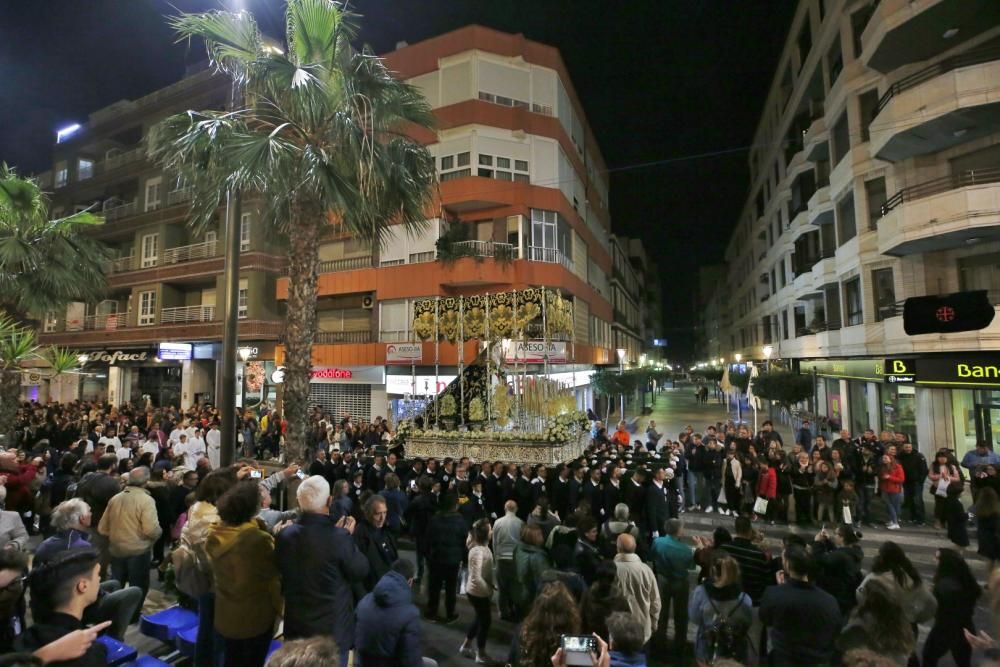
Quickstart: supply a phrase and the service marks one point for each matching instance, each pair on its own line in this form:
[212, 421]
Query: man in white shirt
[197, 441]
[112, 440]
[150, 446]
[213, 443]
[191, 451]
[181, 429]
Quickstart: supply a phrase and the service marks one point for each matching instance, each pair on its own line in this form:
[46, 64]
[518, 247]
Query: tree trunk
[300, 327]
[10, 394]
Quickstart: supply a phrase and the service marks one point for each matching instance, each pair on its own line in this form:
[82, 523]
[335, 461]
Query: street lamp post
[739, 398]
[768, 351]
[245, 352]
[621, 371]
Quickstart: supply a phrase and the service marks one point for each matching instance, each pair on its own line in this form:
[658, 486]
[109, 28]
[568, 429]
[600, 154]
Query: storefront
[355, 390]
[852, 394]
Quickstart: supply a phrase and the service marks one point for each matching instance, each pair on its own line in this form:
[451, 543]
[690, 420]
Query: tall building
[875, 176]
[522, 201]
[710, 312]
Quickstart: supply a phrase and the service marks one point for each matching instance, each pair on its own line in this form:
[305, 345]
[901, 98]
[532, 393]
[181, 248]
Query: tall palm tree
[320, 133]
[44, 264]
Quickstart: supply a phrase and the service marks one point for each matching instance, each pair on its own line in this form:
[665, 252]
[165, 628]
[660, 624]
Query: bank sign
[534, 352]
[961, 371]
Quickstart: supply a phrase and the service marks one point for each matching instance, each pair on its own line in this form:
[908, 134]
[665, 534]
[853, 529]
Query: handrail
[187, 253]
[493, 249]
[120, 211]
[550, 255]
[349, 264]
[179, 196]
[331, 337]
[974, 57]
[123, 264]
[187, 314]
[109, 321]
[938, 185]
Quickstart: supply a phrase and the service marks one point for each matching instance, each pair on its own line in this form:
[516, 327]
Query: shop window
[899, 410]
[852, 302]
[884, 291]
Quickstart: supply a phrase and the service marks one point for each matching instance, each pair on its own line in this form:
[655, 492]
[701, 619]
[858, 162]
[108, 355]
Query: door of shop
[988, 424]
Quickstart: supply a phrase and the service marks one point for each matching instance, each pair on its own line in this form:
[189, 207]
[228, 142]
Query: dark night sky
[659, 80]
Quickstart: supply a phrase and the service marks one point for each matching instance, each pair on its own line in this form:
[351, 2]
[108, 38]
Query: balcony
[335, 337]
[349, 264]
[951, 102]
[549, 255]
[114, 329]
[820, 207]
[901, 32]
[942, 214]
[817, 141]
[108, 322]
[491, 249]
[120, 211]
[184, 314]
[170, 256]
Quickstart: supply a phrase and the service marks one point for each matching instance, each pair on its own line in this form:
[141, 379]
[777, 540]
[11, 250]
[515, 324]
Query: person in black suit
[634, 495]
[507, 485]
[523, 495]
[613, 492]
[576, 483]
[657, 503]
[559, 492]
[593, 493]
[491, 488]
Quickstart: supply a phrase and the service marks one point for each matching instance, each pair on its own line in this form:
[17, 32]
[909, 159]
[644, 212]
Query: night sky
[660, 81]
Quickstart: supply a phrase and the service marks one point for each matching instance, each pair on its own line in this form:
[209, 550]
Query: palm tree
[44, 264]
[321, 135]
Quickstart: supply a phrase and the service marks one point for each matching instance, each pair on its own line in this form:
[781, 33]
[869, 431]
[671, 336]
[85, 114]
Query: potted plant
[447, 411]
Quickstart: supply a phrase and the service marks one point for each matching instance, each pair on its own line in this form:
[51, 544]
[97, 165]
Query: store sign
[421, 385]
[353, 375]
[534, 352]
[175, 351]
[404, 353]
[972, 371]
[850, 369]
[112, 357]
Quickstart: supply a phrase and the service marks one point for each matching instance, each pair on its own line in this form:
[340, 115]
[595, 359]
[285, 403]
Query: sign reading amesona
[404, 353]
[533, 352]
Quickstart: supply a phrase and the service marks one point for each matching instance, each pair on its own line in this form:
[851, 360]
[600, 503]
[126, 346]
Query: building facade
[876, 177]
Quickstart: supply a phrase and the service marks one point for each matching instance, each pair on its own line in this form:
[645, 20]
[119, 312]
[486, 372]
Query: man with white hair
[132, 527]
[318, 560]
[71, 520]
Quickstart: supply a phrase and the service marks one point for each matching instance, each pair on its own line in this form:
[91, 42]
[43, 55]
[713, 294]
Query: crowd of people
[592, 548]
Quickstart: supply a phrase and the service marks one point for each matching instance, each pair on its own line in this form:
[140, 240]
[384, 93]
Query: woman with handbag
[732, 478]
[941, 474]
[767, 490]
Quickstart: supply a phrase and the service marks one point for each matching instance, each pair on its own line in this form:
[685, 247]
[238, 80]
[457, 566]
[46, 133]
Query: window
[847, 227]
[835, 60]
[503, 163]
[521, 165]
[394, 321]
[782, 273]
[541, 108]
[447, 162]
[464, 158]
[859, 20]
[211, 237]
[85, 169]
[245, 232]
[981, 272]
[875, 196]
[840, 140]
[458, 173]
[805, 40]
[506, 101]
[62, 174]
[852, 302]
[51, 321]
[243, 299]
[154, 193]
[150, 250]
[868, 108]
[486, 160]
[884, 291]
[147, 308]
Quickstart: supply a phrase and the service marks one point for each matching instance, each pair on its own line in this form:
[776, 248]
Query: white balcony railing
[105, 322]
[119, 211]
[486, 249]
[189, 253]
[187, 314]
[179, 196]
[550, 255]
[123, 264]
[122, 159]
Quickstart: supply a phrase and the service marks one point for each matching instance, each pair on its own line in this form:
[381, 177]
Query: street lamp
[738, 357]
[621, 371]
[244, 352]
[768, 351]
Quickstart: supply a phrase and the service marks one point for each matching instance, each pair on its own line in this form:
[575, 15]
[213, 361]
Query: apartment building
[157, 334]
[875, 177]
[522, 201]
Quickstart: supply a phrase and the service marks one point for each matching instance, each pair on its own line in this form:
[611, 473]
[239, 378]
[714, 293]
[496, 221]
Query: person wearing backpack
[722, 613]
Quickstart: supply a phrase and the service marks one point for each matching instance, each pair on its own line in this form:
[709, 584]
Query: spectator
[804, 620]
[418, 516]
[542, 517]
[988, 525]
[732, 480]
[271, 517]
[247, 589]
[132, 527]
[530, 560]
[625, 645]
[318, 560]
[618, 524]
[956, 591]
[506, 536]
[672, 562]
[445, 556]
[838, 559]
[721, 600]
[586, 554]
[479, 588]
[956, 518]
[13, 565]
[602, 599]
[554, 614]
[376, 543]
[396, 502]
[65, 587]
[657, 503]
[13, 534]
[915, 474]
[388, 632]
[312, 652]
[342, 504]
[97, 489]
[976, 461]
[879, 624]
[942, 473]
[891, 478]
[638, 586]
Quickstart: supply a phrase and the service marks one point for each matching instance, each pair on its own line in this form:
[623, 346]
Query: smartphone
[577, 649]
[255, 474]
[300, 475]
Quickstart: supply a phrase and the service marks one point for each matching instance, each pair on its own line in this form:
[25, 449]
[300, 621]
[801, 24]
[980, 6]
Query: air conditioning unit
[368, 302]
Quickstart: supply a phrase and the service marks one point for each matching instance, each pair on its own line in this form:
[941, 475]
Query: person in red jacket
[891, 480]
[17, 477]
[767, 486]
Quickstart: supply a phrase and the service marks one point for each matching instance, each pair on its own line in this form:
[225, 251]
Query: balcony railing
[188, 253]
[350, 264]
[123, 264]
[550, 255]
[120, 211]
[187, 314]
[974, 57]
[938, 185]
[108, 322]
[179, 196]
[333, 337]
[121, 159]
[503, 251]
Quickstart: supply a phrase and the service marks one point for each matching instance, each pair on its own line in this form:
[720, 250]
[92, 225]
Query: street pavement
[673, 410]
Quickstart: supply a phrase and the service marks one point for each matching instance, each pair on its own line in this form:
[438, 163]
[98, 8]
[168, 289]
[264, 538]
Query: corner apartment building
[522, 201]
[164, 280]
[875, 176]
